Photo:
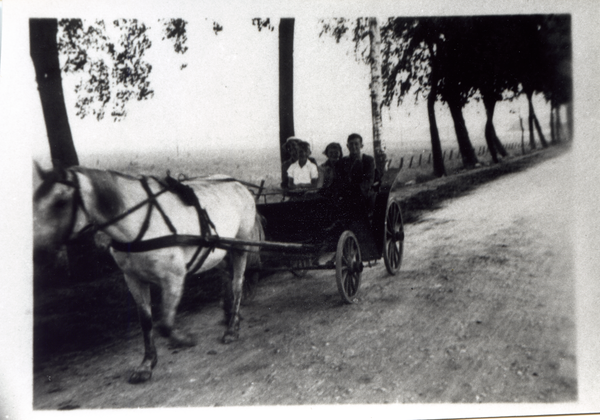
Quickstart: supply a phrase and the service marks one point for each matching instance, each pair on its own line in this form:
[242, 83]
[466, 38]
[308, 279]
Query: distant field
[255, 165]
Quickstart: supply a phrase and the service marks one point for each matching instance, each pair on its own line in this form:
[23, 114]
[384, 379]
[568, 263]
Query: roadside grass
[415, 199]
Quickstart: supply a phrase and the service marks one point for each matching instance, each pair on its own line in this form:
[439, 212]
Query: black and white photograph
[299, 209]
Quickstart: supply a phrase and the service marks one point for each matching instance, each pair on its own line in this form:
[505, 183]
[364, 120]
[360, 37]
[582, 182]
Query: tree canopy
[112, 60]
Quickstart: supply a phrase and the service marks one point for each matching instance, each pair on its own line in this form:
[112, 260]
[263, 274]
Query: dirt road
[481, 311]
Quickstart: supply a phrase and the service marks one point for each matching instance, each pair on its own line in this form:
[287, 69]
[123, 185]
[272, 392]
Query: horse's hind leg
[232, 314]
[141, 294]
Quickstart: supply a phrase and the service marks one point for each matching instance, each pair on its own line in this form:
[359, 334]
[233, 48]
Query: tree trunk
[436, 146]
[569, 106]
[539, 130]
[522, 135]
[375, 59]
[83, 261]
[559, 127]
[499, 146]
[462, 135]
[439, 168]
[530, 120]
[491, 138]
[490, 132]
[44, 53]
[286, 85]
[553, 139]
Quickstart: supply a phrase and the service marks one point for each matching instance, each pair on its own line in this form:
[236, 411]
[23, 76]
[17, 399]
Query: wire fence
[425, 159]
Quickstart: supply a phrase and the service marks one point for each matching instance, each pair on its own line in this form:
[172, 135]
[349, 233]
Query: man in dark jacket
[355, 175]
[350, 196]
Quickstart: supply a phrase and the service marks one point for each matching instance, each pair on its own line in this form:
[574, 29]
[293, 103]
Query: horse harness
[186, 195]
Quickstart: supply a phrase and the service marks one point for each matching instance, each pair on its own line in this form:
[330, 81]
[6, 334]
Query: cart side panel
[298, 221]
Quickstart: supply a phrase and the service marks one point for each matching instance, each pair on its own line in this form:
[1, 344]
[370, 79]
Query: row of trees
[458, 59]
[449, 59]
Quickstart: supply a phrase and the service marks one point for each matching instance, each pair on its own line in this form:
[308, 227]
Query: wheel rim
[350, 271]
[393, 238]
[348, 267]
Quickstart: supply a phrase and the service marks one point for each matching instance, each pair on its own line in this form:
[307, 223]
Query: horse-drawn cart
[163, 230]
[306, 234]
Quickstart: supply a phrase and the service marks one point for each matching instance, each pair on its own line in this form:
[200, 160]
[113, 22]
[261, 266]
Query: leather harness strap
[189, 197]
[141, 204]
[207, 239]
[151, 204]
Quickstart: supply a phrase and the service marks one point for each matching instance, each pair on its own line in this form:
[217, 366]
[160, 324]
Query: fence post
[401, 163]
[411, 161]
[420, 157]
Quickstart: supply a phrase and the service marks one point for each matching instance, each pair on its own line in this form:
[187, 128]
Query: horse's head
[54, 208]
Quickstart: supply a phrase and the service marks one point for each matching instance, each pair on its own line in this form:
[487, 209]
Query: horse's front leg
[141, 294]
[232, 313]
[172, 290]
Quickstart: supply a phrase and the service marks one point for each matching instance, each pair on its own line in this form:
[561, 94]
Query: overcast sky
[228, 93]
[0, 32]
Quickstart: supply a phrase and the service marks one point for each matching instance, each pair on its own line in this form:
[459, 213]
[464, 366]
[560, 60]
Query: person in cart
[291, 146]
[303, 173]
[354, 178]
[334, 153]
[350, 197]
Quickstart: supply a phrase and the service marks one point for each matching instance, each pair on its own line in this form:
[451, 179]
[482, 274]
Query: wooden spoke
[393, 238]
[348, 267]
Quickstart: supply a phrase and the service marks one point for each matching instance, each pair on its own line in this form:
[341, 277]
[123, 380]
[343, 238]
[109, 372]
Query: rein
[218, 180]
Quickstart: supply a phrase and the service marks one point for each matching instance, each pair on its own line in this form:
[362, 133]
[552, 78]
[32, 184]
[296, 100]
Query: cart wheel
[393, 239]
[348, 266]
[298, 269]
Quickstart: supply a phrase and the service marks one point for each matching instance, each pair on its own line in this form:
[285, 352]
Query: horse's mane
[108, 197]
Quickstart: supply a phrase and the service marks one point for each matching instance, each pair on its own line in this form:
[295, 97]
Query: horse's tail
[253, 262]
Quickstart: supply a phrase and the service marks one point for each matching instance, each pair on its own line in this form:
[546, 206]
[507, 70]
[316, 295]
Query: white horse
[146, 219]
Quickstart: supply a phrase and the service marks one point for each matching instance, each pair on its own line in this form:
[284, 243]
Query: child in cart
[303, 173]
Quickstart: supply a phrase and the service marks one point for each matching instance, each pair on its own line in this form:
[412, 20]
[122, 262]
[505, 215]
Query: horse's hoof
[140, 376]
[230, 337]
[183, 340]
